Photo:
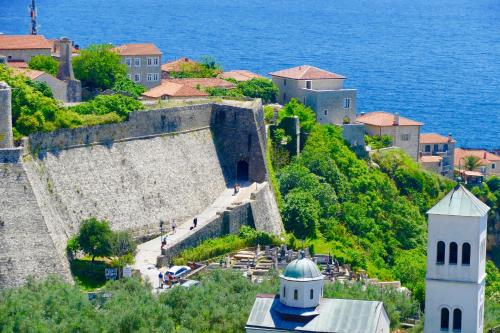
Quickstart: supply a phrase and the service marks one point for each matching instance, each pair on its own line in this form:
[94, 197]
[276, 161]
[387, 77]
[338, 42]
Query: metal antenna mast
[34, 28]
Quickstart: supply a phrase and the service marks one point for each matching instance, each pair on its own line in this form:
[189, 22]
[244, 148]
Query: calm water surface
[435, 61]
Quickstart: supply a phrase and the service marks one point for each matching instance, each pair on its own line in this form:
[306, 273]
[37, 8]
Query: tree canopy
[94, 238]
[98, 67]
[44, 63]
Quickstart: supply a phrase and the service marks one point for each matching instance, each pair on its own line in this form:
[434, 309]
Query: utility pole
[34, 28]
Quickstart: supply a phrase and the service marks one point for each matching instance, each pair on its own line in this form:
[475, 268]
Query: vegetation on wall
[261, 88]
[206, 68]
[377, 141]
[45, 64]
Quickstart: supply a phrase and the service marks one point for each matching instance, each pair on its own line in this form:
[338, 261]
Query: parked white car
[178, 271]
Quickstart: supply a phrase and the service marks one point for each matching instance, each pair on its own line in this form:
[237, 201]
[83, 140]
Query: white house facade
[456, 261]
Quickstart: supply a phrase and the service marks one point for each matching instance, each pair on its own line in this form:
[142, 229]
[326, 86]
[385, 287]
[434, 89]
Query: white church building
[456, 261]
[300, 307]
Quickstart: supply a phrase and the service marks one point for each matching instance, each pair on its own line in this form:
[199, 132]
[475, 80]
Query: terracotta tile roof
[429, 138]
[137, 49]
[306, 72]
[384, 119]
[430, 159]
[240, 75]
[24, 42]
[471, 173]
[17, 64]
[29, 73]
[204, 82]
[486, 157]
[176, 65]
[172, 89]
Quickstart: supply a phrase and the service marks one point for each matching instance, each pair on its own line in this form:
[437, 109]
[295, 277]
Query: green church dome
[302, 269]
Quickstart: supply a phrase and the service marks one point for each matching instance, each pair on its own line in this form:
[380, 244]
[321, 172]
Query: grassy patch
[89, 275]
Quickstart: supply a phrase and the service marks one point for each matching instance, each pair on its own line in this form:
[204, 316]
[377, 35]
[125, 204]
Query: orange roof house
[306, 72]
[204, 82]
[176, 65]
[24, 42]
[240, 75]
[385, 119]
[433, 138]
[139, 49]
[490, 163]
[173, 90]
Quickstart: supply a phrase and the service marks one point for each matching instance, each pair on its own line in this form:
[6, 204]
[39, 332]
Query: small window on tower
[295, 294]
[347, 103]
[311, 294]
[453, 253]
[441, 249]
[445, 319]
[457, 320]
[466, 254]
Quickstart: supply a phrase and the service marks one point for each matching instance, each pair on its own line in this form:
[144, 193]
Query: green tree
[377, 141]
[301, 214]
[41, 87]
[44, 63]
[122, 244]
[104, 104]
[306, 115]
[471, 162]
[98, 67]
[94, 238]
[124, 85]
[261, 88]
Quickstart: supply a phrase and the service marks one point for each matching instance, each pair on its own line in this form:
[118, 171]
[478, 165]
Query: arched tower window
[466, 254]
[311, 294]
[445, 319]
[284, 292]
[441, 249]
[295, 294]
[457, 320]
[453, 253]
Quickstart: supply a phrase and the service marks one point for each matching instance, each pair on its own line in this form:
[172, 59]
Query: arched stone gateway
[242, 171]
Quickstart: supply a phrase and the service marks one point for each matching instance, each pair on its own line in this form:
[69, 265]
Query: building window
[284, 82]
[405, 137]
[156, 77]
[156, 61]
[493, 166]
[445, 319]
[308, 84]
[326, 112]
[150, 77]
[436, 147]
[128, 62]
[150, 61]
[483, 169]
[427, 148]
[284, 292]
[137, 62]
[453, 253]
[129, 76]
[466, 254]
[311, 294]
[457, 320]
[445, 147]
[441, 249]
[137, 77]
[347, 103]
[295, 294]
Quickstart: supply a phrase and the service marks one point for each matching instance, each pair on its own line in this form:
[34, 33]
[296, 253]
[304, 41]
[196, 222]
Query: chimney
[65, 67]
[396, 119]
[484, 155]
[450, 138]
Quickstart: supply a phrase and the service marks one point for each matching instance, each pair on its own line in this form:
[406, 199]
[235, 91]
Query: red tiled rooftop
[430, 159]
[24, 42]
[137, 49]
[167, 88]
[430, 138]
[17, 64]
[384, 119]
[176, 65]
[484, 156]
[306, 72]
[204, 82]
[240, 75]
[29, 73]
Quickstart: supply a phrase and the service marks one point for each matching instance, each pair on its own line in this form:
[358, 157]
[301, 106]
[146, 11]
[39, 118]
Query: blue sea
[436, 61]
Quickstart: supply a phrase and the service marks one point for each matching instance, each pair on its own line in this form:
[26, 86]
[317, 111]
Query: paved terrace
[145, 259]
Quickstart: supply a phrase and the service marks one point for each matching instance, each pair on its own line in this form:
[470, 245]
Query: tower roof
[460, 202]
[302, 269]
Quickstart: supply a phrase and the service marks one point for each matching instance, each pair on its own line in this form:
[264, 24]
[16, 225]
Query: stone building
[143, 62]
[59, 88]
[171, 90]
[405, 133]
[321, 90]
[300, 307]
[437, 153]
[456, 261]
[21, 48]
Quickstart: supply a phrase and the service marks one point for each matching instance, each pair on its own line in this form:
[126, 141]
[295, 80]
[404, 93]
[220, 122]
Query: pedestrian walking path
[145, 259]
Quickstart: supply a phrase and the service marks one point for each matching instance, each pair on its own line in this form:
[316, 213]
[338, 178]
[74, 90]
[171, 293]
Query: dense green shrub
[306, 115]
[377, 141]
[104, 104]
[44, 63]
[261, 88]
[124, 85]
[98, 67]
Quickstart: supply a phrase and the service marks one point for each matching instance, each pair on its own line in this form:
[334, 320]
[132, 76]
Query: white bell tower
[456, 263]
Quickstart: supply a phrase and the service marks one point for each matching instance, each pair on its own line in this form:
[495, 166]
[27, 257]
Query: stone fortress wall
[161, 164]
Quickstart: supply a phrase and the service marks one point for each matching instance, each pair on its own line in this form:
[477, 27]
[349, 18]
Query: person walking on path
[195, 222]
[160, 277]
[174, 225]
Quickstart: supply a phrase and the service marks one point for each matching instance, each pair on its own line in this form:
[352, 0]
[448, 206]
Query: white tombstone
[456, 261]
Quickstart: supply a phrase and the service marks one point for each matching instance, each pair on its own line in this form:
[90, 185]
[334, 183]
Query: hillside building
[489, 164]
[240, 75]
[437, 153]
[405, 133]
[319, 89]
[21, 48]
[300, 307]
[456, 262]
[171, 90]
[143, 62]
[176, 66]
